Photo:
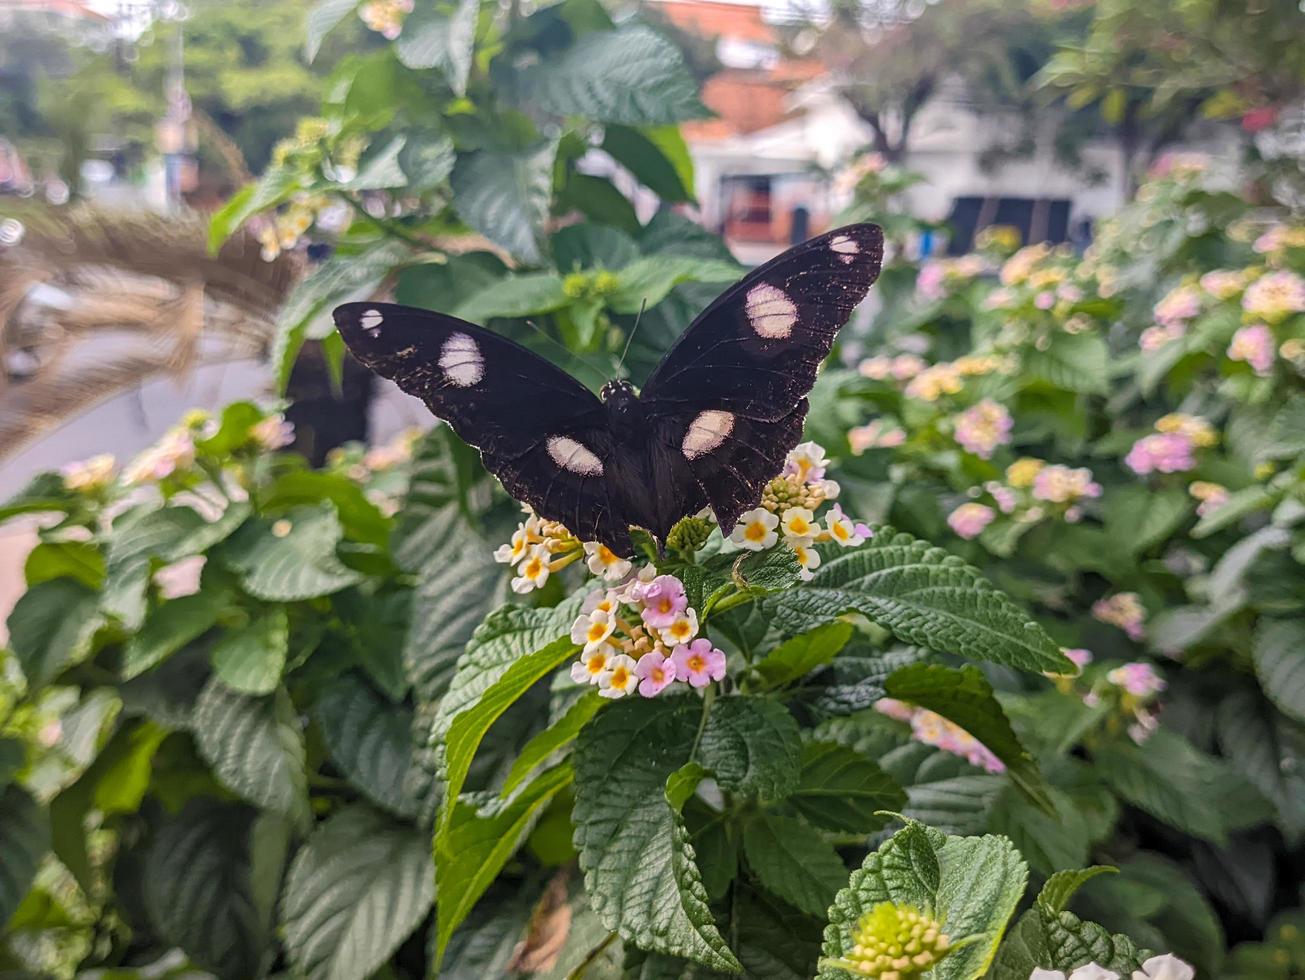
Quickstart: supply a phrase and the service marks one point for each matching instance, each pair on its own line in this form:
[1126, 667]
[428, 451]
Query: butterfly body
[709, 429]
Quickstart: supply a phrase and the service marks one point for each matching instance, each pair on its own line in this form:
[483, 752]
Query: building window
[1038, 219]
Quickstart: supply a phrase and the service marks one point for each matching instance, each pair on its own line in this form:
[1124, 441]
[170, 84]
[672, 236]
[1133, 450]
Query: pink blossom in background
[1123, 609]
[1058, 484]
[1078, 656]
[929, 283]
[969, 520]
[983, 427]
[1255, 346]
[931, 728]
[875, 435]
[1045, 300]
[1153, 338]
[1223, 283]
[1275, 296]
[1163, 452]
[1259, 119]
[1212, 496]
[893, 708]
[1271, 240]
[1179, 305]
[1138, 679]
[1005, 498]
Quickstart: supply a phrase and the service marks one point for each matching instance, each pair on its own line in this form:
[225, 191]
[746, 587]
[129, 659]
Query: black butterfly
[710, 428]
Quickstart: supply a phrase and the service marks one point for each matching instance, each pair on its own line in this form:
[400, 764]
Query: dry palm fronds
[94, 303]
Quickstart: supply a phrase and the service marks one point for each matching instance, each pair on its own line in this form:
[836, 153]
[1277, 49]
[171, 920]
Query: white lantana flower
[1089, 972]
[755, 530]
[807, 460]
[807, 557]
[599, 600]
[512, 553]
[590, 668]
[534, 571]
[681, 630]
[619, 679]
[799, 524]
[604, 562]
[592, 631]
[1166, 967]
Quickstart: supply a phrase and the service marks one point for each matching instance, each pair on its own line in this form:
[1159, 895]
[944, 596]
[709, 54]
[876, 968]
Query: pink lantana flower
[969, 520]
[663, 601]
[983, 427]
[1163, 452]
[1138, 679]
[698, 663]
[1255, 346]
[656, 672]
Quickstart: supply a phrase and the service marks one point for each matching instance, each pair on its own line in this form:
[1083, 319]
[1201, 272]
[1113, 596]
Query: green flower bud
[576, 285]
[688, 535]
[894, 942]
[605, 283]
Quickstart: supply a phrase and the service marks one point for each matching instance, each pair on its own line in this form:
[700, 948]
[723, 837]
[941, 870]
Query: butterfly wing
[730, 394]
[541, 432]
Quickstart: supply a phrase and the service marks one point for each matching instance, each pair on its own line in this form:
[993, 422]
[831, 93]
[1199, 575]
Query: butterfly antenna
[630, 337]
[602, 371]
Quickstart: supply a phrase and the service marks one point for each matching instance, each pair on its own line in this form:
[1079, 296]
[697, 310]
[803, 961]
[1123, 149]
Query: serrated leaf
[1062, 885]
[630, 75]
[1137, 518]
[841, 790]
[324, 16]
[483, 946]
[1269, 750]
[255, 748]
[971, 884]
[505, 196]
[799, 655]
[964, 697]
[516, 296]
[1049, 839]
[24, 841]
[753, 747]
[923, 596]
[173, 625]
[793, 863]
[1062, 941]
[552, 739]
[251, 659]
[482, 690]
[291, 559]
[855, 680]
[199, 883]
[369, 740]
[51, 628]
[356, 890]
[479, 843]
[435, 36]
[1074, 362]
[1279, 653]
[634, 849]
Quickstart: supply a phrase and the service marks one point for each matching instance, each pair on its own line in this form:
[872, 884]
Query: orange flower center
[596, 663]
[696, 663]
[755, 532]
[596, 631]
[620, 677]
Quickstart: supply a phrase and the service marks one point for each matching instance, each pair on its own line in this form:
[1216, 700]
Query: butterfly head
[616, 393]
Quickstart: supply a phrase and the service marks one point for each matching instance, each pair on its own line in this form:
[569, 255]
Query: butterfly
[710, 428]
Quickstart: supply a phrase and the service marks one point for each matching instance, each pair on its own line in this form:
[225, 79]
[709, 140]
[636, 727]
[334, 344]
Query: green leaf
[173, 625]
[634, 849]
[648, 280]
[658, 158]
[964, 697]
[322, 19]
[255, 748]
[516, 296]
[1240, 503]
[276, 185]
[1279, 653]
[369, 740]
[598, 199]
[78, 560]
[200, 882]
[753, 747]
[971, 884]
[1073, 362]
[436, 37]
[801, 654]
[1050, 838]
[1268, 750]
[379, 168]
[552, 739]
[45, 492]
[479, 843]
[426, 161]
[484, 944]
[1138, 518]
[630, 75]
[291, 559]
[841, 790]
[509, 652]
[251, 659]
[1062, 941]
[793, 863]
[24, 841]
[354, 893]
[591, 246]
[505, 196]
[51, 628]
[923, 596]
[1179, 785]
[1062, 885]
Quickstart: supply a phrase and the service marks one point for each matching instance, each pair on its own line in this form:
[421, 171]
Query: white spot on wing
[460, 360]
[371, 321]
[845, 246]
[770, 311]
[574, 456]
[706, 433]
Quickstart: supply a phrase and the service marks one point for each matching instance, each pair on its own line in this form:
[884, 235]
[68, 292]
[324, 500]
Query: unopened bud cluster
[895, 942]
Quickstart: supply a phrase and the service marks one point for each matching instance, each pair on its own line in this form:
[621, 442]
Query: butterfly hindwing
[541, 432]
[755, 350]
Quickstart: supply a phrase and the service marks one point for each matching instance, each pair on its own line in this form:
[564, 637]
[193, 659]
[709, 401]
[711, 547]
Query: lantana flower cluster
[1033, 490]
[1123, 609]
[939, 278]
[1044, 291]
[385, 17]
[931, 728]
[1131, 688]
[642, 637]
[1172, 448]
[788, 512]
[894, 942]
